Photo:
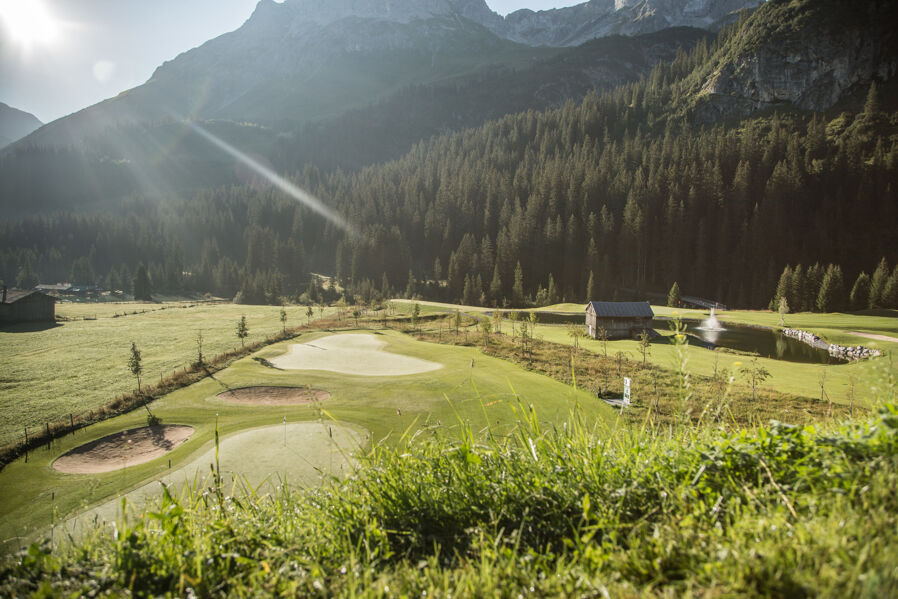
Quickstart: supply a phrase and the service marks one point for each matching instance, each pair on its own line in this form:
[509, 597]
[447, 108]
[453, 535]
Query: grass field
[553, 511]
[32, 494]
[789, 377]
[80, 365]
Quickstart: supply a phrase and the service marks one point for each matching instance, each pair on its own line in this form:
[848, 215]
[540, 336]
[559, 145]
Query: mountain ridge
[15, 124]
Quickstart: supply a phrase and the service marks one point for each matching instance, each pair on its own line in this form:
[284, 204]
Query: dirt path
[875, 337]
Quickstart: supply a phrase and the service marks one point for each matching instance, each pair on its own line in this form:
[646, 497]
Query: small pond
[763, 342]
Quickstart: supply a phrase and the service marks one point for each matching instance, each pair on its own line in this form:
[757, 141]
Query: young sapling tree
[134, 363]
[242, 330]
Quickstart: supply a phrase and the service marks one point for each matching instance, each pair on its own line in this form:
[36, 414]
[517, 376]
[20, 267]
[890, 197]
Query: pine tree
[412, 288]
[796, 289]
[673, 297]
[496, 287]
[782, 288]
[140, 286]
[832, 291]
[468, 295]
[871, 105]
[890, 292]
[26, 279]
[591, 287]
[517, 291]
[552, 291]
[813, 281]
[859, 299]
[878, 284]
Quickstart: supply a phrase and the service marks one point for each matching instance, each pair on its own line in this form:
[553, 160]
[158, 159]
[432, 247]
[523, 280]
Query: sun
[28, 22]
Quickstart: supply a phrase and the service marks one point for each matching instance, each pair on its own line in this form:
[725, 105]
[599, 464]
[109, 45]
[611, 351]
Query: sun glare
[28, 22]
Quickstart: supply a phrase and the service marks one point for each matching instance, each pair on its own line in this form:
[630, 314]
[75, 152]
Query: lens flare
[28, 22]
[300, 195]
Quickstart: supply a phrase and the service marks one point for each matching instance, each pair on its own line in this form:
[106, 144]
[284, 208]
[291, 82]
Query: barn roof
[622, 309]
[14, 295]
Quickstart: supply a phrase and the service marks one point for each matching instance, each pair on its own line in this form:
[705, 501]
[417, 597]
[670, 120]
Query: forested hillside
[621, 193]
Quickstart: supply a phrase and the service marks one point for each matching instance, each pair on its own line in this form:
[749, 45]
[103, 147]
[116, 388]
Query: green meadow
[82, 364]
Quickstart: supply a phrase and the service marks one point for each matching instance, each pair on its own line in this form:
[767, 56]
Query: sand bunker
[300, 454]
[128, 448]
[351, 354]
[274, 396]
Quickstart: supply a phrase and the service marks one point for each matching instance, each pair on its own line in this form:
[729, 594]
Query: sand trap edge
[267, 395]
[114, 452]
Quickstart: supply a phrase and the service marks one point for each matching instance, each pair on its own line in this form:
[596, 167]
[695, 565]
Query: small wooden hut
[619, 319]
[26, 306]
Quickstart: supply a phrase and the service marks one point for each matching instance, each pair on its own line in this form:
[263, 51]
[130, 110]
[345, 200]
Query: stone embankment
[839, 351]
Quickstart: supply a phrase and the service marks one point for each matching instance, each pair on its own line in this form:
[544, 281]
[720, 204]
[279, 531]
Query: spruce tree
[859, 299]
[591, 287]
[552, 291]
[412, 288]
[796, 289]
[832, 291]
[496, 287]
[890, 292]
[674, 299]
[878, 284]
[517, 291]
[140, 286]
[812, 287]
[26, 279]
[782, 288]
[468, 295]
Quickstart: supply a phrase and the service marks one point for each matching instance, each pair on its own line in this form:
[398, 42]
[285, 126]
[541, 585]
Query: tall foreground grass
[559, 511]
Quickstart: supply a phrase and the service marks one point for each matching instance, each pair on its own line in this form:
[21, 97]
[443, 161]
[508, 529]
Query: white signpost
[626, 391]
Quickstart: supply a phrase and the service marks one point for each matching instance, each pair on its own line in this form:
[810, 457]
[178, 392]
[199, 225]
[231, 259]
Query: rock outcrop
[827, 51]
[574, 25]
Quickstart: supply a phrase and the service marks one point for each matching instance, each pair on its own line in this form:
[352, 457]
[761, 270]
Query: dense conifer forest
[620, 194]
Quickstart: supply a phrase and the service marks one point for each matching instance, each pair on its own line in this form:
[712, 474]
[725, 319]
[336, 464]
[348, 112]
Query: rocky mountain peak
[399, 11]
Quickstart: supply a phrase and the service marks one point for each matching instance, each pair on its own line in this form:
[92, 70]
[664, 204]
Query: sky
[59, 56]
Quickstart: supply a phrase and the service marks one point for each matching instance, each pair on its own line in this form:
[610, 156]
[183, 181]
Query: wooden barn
[26, 306]
[619, 319]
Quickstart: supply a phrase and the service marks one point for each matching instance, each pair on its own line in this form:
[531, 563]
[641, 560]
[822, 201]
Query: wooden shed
[26, 306]
[619, 319]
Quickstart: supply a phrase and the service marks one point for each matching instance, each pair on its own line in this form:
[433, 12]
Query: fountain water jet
[712, 328]
[711, 323]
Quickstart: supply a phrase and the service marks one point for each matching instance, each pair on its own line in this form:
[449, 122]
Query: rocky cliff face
[821, 57]
[575, 25]
[569, 26]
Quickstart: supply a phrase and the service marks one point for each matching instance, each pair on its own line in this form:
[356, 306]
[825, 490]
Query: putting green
[301, 453]
[351, 354]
